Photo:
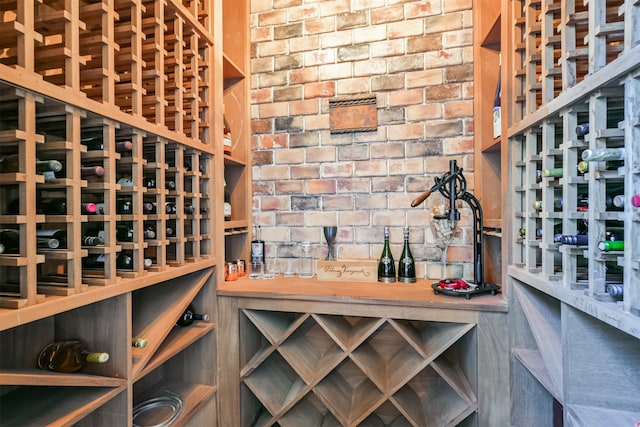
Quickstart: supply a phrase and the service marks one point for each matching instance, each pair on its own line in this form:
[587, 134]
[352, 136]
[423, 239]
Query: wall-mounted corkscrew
[453, 186]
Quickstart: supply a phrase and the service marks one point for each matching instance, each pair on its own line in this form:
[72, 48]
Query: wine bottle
[125, 181]
[88, 208]
[93, 237]
[138, 342]
[537, 204]
[170, 231]
[52, 239]
[582, 129]
[406, 264]
[227, 203]
[575, 239]
[124, 233]
[96, 261]
[93, 140]
[149, 182]
[57, 206]
[608, 245]
[257, 247]
[635, 200]
[603, 154]
[497, 110]
[553, 172]
[538, 175]
[124, 207]
[170, 185]
[614, 202]
[170, 208]
[189, 209]
[149, 208]
[88, 171]
[616, 290]
[149, 231]
[584, 166]
[1, 248]
[11, 163]
[124, 146]
[228, 142]
[386, 265]
[10, 240]
[68, 356]
[189, 316]
[187, 165]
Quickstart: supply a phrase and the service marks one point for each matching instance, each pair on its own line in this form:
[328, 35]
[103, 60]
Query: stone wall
[416, 57]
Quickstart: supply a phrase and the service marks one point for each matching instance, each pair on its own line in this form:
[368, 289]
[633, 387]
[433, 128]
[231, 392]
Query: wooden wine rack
[573, 63]
[154, 74]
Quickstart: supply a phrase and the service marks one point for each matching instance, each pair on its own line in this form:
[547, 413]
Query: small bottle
[386, 265]
[257, 247]
[189, 316]
[52, 239]
[608, 245]
[138, 342]
[554, 172]
[406, 264]
[227, 203]
[603, 154]
[68, 356]
[10, 240]
[93, 237]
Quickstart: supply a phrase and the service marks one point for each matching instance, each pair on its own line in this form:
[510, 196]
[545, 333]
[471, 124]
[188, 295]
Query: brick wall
[416, 57]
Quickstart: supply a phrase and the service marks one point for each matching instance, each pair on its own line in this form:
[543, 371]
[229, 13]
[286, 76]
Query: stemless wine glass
[442, 228]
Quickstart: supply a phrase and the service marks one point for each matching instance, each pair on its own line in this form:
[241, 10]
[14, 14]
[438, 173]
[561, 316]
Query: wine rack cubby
[573, 69]
[316, 369]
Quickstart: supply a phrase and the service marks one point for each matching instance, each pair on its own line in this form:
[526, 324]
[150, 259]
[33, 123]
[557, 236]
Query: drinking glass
[442, 228]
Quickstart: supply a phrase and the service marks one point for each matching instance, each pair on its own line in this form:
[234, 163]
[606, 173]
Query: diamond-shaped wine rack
[331, 370]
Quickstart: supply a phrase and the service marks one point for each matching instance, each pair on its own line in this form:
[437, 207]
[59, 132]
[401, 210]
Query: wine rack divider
[141, 71]
[569, 64]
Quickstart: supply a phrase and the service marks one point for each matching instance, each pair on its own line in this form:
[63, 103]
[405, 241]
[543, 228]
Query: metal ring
[170, 400]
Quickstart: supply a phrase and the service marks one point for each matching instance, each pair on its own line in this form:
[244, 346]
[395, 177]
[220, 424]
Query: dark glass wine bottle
[52, 239]
[124, 207]
[57, 206]
[149, 231]
[170, 184]
[170, 208]
[93, 236]
[11, 163]
[189, 316]
[96, 261]
[406, 264]
[187, 165]
[189, 209]
[149, 182]
[1, 249]
[386, 265]
[149, 207]
[68, 356]
[575, 239]
[124, 233]
[88, 171]
[10, 239]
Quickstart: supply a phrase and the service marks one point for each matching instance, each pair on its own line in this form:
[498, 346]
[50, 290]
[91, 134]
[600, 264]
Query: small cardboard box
[355, 270]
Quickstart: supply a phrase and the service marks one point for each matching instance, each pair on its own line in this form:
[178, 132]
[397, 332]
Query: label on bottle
[227, 211]
[497, 121]
[257, 251]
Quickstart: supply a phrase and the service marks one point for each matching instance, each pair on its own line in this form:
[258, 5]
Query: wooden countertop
[419, 294]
